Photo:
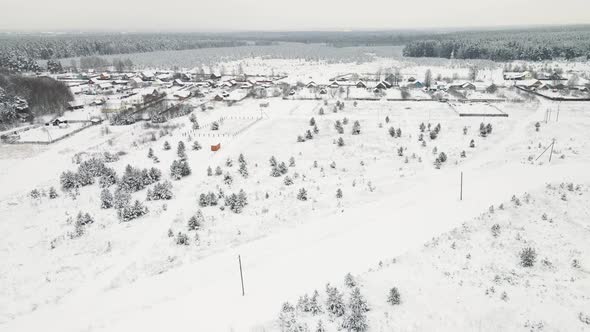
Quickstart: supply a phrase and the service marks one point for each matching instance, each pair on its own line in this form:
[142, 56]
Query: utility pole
[461, 192]
[241, 274]
[551, 153]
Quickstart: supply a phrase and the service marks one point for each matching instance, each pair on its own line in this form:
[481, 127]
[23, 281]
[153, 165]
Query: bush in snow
[442, 157]
[179, 169]
[130, 212]
[167, 145]
[394, 297]
[463, 154]
[433, 135]
[292, 162]
[338, 193]
[308, 135]
[316, 130]
[106, 199]
[302, 195]
[528, 257]
[387, 119]
[161, 191]
[209, 171]
[537, 126]
[273, 161]
[288, 181]
[229, 162]
[340, 141]
[300, 139]
[334, 302]
[391, 132]
[196, 146]
[215, 125]
[472, 144]
[195, 222]
[182, 239]
[495, 230]
[35, 193]
[320, 326]
[312, 122]
[52, 193]
[321, 112]
[228, 179]
[422, 127]
[218, 171]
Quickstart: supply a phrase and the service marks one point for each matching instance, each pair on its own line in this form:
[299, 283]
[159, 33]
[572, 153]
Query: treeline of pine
[506, 45]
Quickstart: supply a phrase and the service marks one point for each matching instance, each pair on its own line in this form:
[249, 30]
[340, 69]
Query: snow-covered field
[398, 222]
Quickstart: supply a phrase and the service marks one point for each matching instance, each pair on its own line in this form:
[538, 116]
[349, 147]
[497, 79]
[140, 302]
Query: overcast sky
[228, 15]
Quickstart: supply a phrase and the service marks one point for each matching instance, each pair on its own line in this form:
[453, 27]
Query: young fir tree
[302, 194]
[334, 302]
[242, 159]
[181, 150]
[288, 181]
[312, 122]
[398, 132]
[356, 128]
[340, 141]
[292, 162]
[356, 320]
[338, 127]
[218, 171]
[166, 145]
[243, 170]
[52, 193]
[316, 130]
[394, 297]
[308, 135]
[283, 168]
[209, 171]
[338, 193]
[391, 132]
[196, 146]
[150, 153]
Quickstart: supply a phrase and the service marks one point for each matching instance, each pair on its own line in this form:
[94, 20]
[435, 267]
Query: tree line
[504, 45]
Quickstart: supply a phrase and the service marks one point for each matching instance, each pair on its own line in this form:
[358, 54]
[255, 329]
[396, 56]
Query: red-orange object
[216, 147]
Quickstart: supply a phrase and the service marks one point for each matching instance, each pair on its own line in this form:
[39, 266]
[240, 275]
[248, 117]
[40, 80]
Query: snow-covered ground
[122, 276]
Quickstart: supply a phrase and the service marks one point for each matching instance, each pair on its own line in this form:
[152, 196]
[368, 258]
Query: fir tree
[334, 302]
[312, 122]
[52, 193]
[302, 195]
[316, 130]
[243, 170]
[218, 171]
[166, 145]
[150, 153]
[356, 128]
[288, 181]
[209, 171]
[340, 141]
[308, 134]
[392, 132]
[196, 146]
[181, 150]
[394, 297]
[292, 162]
[106, 199]
[338, 193]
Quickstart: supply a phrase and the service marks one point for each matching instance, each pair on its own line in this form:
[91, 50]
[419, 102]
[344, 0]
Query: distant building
[517, 76]
[75, 105]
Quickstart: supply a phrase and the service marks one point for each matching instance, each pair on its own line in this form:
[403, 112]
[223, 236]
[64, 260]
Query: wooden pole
[558, 106]
[241, 274]
[461, 192]
[551, 153]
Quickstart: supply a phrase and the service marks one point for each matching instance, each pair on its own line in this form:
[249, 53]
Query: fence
[59, 138]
